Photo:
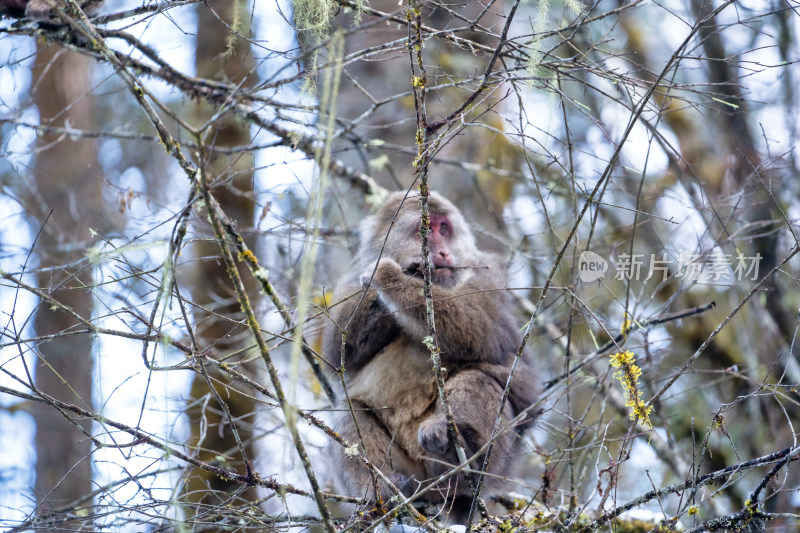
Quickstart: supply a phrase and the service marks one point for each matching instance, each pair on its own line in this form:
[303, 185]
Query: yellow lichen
[628, 374]
[626, 325]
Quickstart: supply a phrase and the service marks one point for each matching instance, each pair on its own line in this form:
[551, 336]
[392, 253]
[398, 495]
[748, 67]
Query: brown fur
[389, 371]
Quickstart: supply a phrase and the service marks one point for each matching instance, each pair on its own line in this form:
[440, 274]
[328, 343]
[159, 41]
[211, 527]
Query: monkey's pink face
[439, 241]
[441, 245]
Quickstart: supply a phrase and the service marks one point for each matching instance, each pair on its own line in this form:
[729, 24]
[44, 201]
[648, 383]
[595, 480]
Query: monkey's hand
[432, 435]
[387, 271]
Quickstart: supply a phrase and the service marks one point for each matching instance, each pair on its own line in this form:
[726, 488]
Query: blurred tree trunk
[67, 179]
[223, 56]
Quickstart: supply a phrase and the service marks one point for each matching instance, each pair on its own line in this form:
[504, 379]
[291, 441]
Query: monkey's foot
[401, 481]
[432, 435]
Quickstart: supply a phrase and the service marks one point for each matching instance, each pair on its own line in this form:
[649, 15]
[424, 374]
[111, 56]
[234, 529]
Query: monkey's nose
[442, 258]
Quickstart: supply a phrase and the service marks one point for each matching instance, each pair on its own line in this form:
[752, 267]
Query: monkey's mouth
[439, 274]
[417, 268]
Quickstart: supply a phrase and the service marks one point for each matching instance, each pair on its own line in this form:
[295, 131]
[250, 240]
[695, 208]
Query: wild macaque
[388, 368]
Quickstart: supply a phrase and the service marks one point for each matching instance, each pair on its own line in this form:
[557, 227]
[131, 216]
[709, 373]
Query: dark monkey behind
[389, 373]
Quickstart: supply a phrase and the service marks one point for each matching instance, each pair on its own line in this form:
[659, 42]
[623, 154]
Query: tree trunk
[232, 186]
[68, 180]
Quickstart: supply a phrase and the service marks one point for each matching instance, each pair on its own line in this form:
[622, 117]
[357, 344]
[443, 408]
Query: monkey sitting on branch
[388, 370]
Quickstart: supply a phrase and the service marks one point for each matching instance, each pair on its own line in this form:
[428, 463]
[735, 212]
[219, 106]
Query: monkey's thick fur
[389, 373]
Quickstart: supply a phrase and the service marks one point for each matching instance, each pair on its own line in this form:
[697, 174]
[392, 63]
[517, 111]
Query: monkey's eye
[444, 229]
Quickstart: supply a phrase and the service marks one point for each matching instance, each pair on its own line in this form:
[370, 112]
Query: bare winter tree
[181, 188]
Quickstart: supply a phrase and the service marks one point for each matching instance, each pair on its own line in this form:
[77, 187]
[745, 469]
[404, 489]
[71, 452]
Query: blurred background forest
[138, 137]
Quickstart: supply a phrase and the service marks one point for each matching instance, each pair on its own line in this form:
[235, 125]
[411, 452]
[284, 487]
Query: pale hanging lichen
[313, 16]
[313, 19]
[535, 54]
[322, 158]
[235, 29]
[360, 5]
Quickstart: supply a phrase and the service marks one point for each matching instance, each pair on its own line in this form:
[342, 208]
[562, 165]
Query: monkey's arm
[370, 329]
[473, 322]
